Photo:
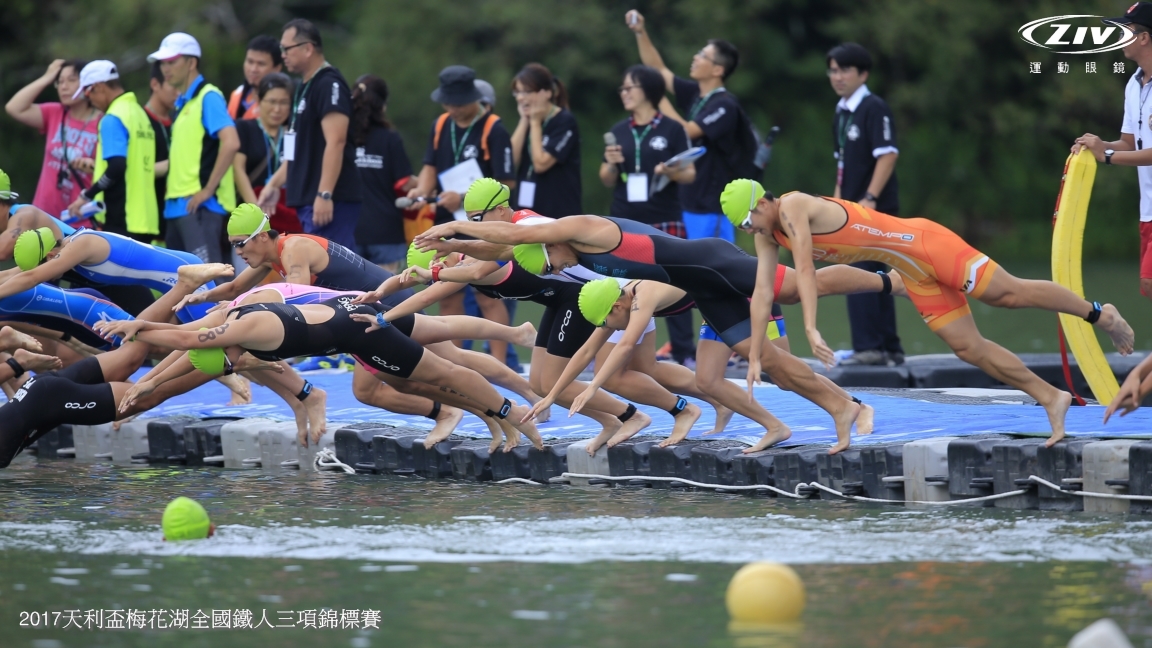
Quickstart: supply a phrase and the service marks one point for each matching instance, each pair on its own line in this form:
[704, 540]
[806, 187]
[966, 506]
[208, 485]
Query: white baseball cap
[175, 44]
[95, 72]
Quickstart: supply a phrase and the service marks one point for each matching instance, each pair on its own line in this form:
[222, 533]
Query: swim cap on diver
[597, 298]
[738, 198]
[485, 194]
[32, 247]
[209, 361]
[6, 192]
[247, 220]
[185, 519]
[532, 257]
[418, 258]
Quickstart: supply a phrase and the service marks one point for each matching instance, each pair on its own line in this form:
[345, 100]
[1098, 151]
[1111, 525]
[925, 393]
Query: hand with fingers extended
[417, 275]
[375, 322]
[444, 230]
[753, 377]
[188, 300]
[820, 349]
[540, 407]
[580, 401]
[124, 329]
[1128, 399]
[135, 393]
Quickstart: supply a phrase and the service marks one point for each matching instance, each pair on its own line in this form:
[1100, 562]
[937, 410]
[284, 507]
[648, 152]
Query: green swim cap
[32, 247]
[418, 258]
[739, 197]
[209, 361]
[246, 220]
[596, 299]
[532, 257]
[6, 192]
[185, 519]
[486, 193]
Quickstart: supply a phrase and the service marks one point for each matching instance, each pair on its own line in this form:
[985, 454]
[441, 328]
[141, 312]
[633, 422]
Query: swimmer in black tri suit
[716, 274]
[271, 331]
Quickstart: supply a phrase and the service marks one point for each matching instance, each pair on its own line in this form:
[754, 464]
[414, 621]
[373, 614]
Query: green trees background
[982, 140]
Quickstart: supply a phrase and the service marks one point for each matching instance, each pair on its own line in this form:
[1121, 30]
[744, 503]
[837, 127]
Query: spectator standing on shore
[261, 59]
[159, 108]
[545, 145]
[385, 172]
[261, 151]
[321, 177]
[70, 126]
[864, 141]
[200, 189]
[644, 142]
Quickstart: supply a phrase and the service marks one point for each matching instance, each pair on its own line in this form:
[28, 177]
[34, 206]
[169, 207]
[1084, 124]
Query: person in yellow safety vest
[125, 156]
[200, 191]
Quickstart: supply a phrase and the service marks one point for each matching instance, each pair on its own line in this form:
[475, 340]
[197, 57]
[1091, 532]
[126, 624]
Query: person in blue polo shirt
[200, 192]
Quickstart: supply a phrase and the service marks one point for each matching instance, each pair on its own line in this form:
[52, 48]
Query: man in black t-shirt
[711, 115]
[864, 145]
[383, 162]
[323, 183]
[465, 139]
[161, 104]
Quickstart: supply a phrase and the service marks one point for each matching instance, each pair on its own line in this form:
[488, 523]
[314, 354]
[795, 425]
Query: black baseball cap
[1139, 13]
[457, 86]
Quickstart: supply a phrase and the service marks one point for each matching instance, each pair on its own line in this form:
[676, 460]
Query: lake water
[459, 564]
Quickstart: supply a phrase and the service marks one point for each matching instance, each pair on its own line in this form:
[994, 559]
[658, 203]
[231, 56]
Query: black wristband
[857, 401]
[887, 289]
[305, 391]
[627, 413]
[15, 367]
[681, 403]
[435, 410]
[1094, 316]
[869, 196]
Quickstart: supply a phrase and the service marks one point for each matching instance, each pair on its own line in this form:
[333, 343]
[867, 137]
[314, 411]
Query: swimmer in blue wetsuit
[71, 312]
[102, 258]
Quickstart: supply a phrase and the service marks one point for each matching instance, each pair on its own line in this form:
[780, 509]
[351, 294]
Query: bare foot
[198, 274]
[599, 440]
[316, 406]
[517, 413]
[771, 438]
[301, 417]
[241, 388]
[511, 435]
[1056, 411]
[526, 336]
[631, 427]
[248, 362]
[440, 433]
[723, 416]
[898, 287]
[497, 437]
[35, 361]
[844, 422]
[446, 421]
[1122, 336]
[119, 422]
[11, 339]
[865, 420]
[683, 426]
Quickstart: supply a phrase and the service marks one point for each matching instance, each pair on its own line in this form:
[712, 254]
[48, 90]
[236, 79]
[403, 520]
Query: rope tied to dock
[326, 460]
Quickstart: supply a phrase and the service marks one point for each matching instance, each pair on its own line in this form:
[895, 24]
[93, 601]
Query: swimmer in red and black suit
[938, 268]
[717, 275]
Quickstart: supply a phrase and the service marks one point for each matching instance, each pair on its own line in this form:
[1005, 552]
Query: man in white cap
[200, 191]
[125, 156]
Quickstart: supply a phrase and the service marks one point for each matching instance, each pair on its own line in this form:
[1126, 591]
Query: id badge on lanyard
[289, 153]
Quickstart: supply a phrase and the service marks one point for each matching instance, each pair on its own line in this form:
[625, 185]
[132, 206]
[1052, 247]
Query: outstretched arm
[648, 52]
[570, 229]
[767, 255]
[795, 225]
[583, 356]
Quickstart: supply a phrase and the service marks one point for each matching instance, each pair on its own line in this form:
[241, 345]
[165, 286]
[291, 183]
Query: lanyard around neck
[699, 105]
[639, 138]
[273, 150]
[457, 150]
[845, 124]
[302, 91]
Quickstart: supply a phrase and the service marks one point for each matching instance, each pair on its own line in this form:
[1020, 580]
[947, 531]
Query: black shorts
[563, 330]
[46, 401]
[730, 316]
[387, 350]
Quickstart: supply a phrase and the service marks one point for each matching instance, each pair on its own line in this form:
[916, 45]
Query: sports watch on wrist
[324, 195]
[1108, 156]
[869, 196]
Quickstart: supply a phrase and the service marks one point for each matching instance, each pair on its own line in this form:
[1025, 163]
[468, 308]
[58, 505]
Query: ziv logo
[1076, 34]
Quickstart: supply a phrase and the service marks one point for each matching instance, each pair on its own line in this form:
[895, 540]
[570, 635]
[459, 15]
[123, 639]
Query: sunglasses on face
[747, 223]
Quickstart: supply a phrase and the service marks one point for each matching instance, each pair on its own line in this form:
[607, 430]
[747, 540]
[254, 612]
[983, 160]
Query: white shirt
[1137, 114]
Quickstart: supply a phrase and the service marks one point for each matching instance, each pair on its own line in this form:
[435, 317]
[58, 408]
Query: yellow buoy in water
[765, 592]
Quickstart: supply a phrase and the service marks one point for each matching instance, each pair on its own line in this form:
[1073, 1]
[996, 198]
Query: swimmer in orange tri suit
[938, 268]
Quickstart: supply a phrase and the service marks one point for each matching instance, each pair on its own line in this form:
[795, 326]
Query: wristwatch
[869, 196]
[1108, 156]
[324, 195]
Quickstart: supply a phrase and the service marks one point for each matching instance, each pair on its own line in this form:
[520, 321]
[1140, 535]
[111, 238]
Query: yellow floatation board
[1067, 247]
